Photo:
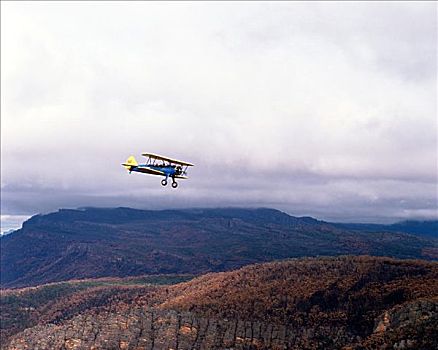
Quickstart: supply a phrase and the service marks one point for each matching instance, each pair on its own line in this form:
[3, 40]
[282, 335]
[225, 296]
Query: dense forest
[309, 303]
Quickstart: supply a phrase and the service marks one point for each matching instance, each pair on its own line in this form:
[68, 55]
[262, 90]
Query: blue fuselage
[167, 169]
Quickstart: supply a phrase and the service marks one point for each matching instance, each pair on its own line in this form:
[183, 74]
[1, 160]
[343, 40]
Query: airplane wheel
[174, 184]
[164, 182]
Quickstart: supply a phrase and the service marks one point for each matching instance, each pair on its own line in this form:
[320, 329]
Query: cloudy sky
[322, 109]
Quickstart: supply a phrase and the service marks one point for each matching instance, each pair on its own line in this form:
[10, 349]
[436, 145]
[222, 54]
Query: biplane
[159, 165]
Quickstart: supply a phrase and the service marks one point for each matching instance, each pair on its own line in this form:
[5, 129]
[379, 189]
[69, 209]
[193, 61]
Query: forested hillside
[310, 303]
[92, 243]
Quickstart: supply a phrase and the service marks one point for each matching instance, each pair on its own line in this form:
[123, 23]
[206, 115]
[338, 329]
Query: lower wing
[149, 171]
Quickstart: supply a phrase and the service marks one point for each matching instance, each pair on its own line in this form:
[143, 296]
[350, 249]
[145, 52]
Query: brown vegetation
[312, 303]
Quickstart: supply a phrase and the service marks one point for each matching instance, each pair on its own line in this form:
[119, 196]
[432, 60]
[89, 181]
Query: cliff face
[324, 303]
[92, 243]
[157, 329]
[412, 325]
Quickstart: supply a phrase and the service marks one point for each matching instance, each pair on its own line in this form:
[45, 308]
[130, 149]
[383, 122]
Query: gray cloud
[323, 109]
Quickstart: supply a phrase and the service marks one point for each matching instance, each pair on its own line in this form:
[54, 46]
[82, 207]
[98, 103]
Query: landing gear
[174, 183]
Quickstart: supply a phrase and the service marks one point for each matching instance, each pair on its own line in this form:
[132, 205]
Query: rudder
[130, 162]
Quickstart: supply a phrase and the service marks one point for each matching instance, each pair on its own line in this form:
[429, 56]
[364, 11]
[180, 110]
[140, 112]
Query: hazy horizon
[324, 109]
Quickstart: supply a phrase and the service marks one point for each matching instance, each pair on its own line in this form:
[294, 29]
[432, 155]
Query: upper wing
[156, 156]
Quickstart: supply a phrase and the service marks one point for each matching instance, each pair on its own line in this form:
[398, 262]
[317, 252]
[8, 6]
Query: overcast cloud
[322, 109]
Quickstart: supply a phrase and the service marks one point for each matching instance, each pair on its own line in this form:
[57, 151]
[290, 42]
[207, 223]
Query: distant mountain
[93, 242]
[427, 228]
[4, 233]
[308, 303]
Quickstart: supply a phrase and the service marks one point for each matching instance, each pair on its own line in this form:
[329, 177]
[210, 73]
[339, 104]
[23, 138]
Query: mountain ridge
[105, 242]
[412, 226]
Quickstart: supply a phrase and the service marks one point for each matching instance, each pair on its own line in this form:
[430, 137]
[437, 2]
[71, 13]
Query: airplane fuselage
[168, 171]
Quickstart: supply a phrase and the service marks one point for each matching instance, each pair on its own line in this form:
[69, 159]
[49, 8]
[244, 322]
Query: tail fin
[130, 162]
